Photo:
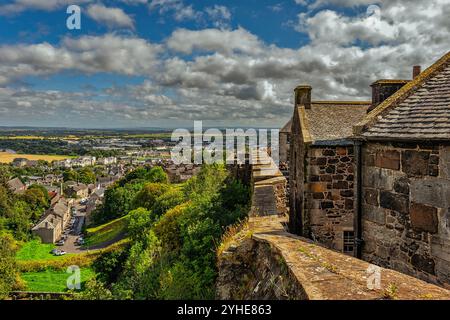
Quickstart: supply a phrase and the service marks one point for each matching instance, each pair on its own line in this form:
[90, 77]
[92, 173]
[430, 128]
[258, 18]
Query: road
[80, 217]
[69, 245]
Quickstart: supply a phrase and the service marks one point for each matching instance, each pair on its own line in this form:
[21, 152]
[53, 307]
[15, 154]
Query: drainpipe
[358, 204]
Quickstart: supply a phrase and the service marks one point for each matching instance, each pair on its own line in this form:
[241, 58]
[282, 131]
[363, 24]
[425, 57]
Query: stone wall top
[328, 275]
[313, 272]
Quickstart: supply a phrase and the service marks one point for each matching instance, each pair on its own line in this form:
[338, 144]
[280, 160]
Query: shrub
[167, 201]
[158, 175]
[147, 196]
[167, 229]
[138, 221]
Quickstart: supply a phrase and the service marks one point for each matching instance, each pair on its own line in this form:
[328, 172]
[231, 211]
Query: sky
[234, 63]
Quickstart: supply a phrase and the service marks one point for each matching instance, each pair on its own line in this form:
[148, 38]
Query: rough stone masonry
[406, 208]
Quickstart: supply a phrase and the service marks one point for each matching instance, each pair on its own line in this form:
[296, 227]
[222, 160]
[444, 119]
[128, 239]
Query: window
[349, 241]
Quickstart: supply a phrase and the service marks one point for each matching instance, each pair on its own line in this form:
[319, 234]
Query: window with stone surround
[349, 242]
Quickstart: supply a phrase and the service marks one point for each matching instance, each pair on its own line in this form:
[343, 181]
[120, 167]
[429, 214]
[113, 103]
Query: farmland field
[6, 157]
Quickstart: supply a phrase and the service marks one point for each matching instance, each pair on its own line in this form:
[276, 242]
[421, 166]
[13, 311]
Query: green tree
[42, 189]
[8, 269]
[147, 196]
[70, 175]
[109, 265]
[95, 290]
[118, 202]
[86, 176]
[139, 173]
[139, 221]
[157, 174]
[20, 221]
[170, 199]
[37, 201]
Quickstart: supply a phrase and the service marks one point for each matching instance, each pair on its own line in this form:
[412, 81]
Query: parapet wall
[264, 261]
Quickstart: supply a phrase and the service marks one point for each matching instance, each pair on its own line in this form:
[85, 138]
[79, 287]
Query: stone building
[16, 185]
[79, 190]
[52, 224]
[403, 217]
[284, 142]
[321, 171]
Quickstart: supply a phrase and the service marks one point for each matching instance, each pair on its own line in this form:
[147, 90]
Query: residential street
[69, 245]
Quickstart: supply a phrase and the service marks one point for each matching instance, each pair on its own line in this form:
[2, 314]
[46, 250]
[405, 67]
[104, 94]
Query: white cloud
[180, 10]
[224, 41]
[276, 7]
[220, 16]
[18, 6]
[89, 54]
[111, 17]
[231, 74]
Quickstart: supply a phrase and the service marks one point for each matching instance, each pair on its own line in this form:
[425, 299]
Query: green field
[106, 232]
[52, 280]
[35, 250]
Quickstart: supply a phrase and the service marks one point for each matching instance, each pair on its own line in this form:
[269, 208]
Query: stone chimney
[383, 89]
[303, 96]
[416, 71]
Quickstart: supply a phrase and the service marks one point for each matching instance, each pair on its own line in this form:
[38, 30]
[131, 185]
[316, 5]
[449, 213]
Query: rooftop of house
[418, 111]
[49, 221]
[331, 122]
[15, 184]
[78, 187]
[390, 81]
[60, 208]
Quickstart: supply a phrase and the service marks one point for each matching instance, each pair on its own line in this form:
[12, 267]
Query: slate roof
[331, 122]
[16, 185]
[418, 111]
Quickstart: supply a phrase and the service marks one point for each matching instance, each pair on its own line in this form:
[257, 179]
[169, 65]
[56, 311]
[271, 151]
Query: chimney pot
[303, 96]
[416, 71]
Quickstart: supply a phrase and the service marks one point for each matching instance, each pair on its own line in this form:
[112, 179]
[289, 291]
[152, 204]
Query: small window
[349, 241]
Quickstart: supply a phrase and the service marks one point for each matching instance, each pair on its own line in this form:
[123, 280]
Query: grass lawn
[6, 157]
[52, 280]
[35, 250]
[106, 232]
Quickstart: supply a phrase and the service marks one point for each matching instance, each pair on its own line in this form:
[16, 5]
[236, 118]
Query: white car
[60, 253]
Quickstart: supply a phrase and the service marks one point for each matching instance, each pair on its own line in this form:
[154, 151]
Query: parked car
[60, 243]
[60, 253]
[54, 251]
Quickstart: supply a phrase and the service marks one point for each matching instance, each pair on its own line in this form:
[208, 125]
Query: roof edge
[304, 125]
[400, 95]
[342, 102]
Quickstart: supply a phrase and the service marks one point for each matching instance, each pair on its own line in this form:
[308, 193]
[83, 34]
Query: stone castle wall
[264, 261]
[329, 194]
[406, 209]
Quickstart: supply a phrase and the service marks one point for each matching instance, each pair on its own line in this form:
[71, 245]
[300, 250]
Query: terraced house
[404, 147]
[373, 179]
[322, 169]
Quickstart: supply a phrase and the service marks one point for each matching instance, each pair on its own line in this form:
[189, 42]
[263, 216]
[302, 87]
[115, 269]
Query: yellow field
[6, 157]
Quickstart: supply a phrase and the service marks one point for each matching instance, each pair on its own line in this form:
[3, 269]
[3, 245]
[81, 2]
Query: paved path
[80, 218]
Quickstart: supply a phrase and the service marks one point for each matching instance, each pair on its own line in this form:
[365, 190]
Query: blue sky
[267, 19]
[138, 63]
